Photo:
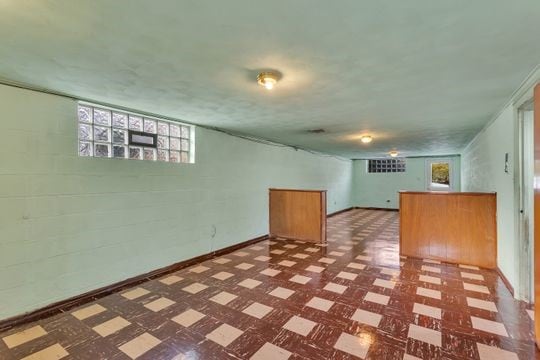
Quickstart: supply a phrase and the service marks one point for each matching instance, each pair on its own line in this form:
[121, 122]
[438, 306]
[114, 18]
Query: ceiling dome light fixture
[366, 139]
[267, 79]
[393, 153]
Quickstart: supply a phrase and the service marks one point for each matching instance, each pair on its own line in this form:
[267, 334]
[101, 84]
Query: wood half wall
[298, 214]
[453, 227]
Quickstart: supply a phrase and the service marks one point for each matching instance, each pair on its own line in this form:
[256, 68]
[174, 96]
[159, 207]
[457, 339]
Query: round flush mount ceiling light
[267, 79]
[393, 153]
[366, 139]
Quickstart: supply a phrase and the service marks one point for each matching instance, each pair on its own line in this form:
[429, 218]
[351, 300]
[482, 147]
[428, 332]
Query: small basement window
[386, 165]
[439, 175]
[109, 133]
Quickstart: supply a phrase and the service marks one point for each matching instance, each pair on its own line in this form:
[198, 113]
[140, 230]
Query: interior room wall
[483, 169]
[381, 189]
[71, 224]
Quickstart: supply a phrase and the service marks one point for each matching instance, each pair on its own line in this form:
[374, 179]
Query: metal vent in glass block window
[105, 133]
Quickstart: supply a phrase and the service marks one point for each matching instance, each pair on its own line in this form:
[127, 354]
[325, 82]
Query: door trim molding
[505, 281]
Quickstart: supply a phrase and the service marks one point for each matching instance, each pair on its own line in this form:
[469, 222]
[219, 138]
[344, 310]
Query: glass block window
[108, 133]
[386, 165]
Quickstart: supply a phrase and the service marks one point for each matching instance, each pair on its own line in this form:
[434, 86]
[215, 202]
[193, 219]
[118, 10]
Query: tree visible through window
[440, 173]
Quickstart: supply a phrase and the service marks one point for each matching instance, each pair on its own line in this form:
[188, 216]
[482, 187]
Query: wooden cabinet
[298, 214]
[453, 227]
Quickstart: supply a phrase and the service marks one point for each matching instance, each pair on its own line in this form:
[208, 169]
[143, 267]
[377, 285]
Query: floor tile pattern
[275, 300]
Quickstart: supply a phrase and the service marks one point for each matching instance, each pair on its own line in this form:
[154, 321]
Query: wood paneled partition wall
[298, 214]
[454, 227]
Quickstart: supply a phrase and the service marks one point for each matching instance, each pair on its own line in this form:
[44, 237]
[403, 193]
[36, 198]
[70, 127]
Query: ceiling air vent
[316, 131]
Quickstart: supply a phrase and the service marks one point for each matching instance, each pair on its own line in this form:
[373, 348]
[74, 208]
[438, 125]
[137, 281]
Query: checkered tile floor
[355, 298]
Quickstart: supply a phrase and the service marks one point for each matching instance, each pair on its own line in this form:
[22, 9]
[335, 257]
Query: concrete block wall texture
[70, 224]
[374, 189]
[483, 170]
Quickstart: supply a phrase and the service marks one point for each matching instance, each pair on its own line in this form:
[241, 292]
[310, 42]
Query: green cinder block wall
[484, 170]
[375, 189]
[71, 224]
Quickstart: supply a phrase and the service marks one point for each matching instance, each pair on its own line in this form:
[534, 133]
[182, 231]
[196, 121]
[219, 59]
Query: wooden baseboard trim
[505, 281]
[375, 208]
[340, 211]
[67, 304]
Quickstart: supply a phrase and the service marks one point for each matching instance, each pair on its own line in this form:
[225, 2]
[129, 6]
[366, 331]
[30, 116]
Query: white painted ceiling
[422, 76]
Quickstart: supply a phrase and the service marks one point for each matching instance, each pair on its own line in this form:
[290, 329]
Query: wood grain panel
[537, 213]
[298, 214]
[453, 227]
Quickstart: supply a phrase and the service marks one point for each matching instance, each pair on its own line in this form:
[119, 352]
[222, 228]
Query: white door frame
[526, 203]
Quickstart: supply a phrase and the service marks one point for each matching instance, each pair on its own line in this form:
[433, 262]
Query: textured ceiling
[422, 76]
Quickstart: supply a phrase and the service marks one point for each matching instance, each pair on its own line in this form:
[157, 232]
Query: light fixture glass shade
[393, 153]
[269, 83]
[366, 139]
[267, 79]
